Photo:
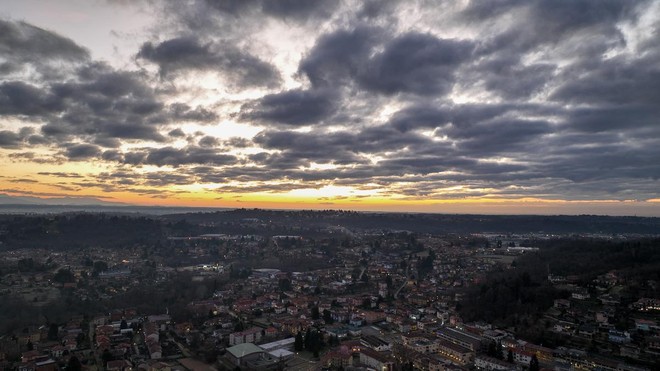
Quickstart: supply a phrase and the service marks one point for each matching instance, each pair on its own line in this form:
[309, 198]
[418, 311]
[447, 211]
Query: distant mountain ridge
[6, 199]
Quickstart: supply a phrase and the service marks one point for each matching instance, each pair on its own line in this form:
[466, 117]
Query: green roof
[244, 349]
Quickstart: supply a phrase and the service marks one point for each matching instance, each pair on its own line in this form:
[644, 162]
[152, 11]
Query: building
[251, 357]
[483, 362]
[251, 335]
[286, 344]
[462, 338]
[456, 353]
[375, 343]
[376, 360]
[420, 342]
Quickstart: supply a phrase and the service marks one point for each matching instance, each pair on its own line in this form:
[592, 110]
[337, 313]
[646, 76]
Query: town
[362, 299]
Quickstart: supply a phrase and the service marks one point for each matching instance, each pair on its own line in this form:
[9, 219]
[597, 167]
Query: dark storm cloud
[293, 107]
[188, 53]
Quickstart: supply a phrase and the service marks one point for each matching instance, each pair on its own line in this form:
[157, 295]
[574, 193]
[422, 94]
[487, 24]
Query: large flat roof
[244, 349]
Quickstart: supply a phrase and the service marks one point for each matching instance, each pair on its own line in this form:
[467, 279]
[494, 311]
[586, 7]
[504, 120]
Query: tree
[490, 352]
[315, 313]
[327, 317]
[308, 339]
[106, 357]
[534, 363]
[64, 276]
[73, 364]
[53, 330]
[285, 284]
[100, 266]
[298, 343]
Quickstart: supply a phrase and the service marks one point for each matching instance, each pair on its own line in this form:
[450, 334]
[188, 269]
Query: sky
[494, 107]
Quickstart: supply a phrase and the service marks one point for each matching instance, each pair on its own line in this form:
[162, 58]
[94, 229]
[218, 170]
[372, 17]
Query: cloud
[293, 107]
[23, 45]
[420, 100]
[79, 152]
[339, 55]
[299, 10]
[188, 53]
[19, 98]
[412, 62]
[171, 156]
[9, 139]
[415, 63]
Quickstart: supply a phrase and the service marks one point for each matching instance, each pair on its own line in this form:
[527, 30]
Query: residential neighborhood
[383, 301]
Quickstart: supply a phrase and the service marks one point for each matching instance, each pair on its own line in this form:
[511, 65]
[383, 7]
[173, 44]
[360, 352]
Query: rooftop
[244, 349]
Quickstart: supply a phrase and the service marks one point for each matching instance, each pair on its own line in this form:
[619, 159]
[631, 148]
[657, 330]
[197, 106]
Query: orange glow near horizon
[67, 180]
[474, 205]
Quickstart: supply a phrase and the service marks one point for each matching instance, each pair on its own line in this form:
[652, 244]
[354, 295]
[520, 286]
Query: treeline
[71, 231]
[280, 221]
[518, 297]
